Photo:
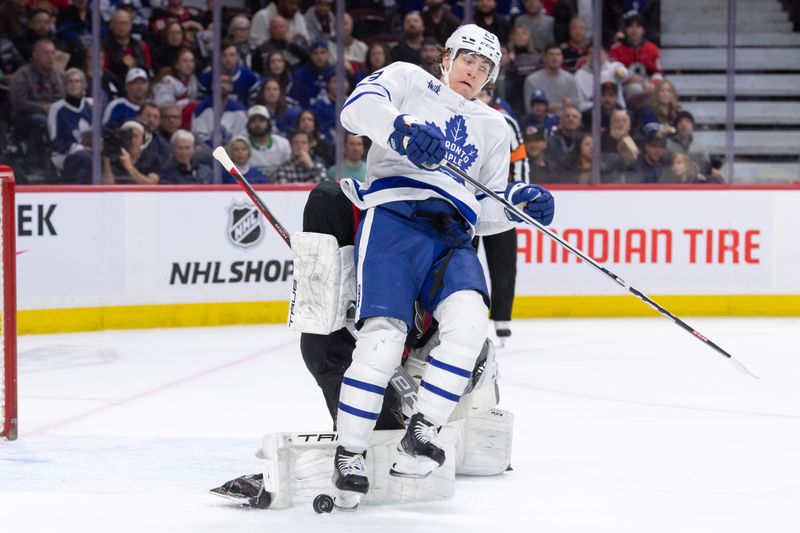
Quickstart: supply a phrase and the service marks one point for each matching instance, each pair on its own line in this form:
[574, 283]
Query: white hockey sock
[378, 351]
[463, 322]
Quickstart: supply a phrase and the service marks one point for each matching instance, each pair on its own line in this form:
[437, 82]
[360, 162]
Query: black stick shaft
[256, 199]
[524, 216]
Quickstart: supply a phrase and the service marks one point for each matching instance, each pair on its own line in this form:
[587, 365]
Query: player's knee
[463, 321]
[380, 345]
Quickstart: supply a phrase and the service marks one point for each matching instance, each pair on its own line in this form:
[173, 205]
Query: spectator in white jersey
[269, 150]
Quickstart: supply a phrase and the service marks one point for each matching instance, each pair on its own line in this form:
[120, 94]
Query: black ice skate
[350, 478]
[503, 331]
[418, 452]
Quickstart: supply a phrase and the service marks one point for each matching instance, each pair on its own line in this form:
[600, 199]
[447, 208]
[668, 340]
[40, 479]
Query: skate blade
[413, 467]
[345, 500]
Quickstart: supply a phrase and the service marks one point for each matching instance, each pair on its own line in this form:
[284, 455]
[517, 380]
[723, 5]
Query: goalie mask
[473, 39]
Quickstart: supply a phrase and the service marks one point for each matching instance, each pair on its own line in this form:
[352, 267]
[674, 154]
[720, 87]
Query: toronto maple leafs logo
[459, 153]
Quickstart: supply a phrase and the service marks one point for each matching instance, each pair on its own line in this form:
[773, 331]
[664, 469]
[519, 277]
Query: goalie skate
[419, 452]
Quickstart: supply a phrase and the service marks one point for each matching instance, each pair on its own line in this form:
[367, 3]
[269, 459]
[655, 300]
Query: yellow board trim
[220, 314]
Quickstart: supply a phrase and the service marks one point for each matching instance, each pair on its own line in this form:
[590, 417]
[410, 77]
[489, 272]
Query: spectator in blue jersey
[283, 114]
[182, 167]
[312, 79]
[33, 89]
[240, 152]
[324, 109]
[119, 110]
[69, 123]
[234, 115]
[538, 119]
[245, 82]
[268, 149]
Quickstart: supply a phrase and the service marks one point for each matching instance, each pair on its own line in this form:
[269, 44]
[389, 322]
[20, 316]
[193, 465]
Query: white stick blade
[222, 156]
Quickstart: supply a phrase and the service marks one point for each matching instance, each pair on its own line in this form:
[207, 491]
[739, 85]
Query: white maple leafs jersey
[477, 142]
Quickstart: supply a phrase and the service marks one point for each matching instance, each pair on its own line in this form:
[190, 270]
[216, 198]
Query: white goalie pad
[299, 466]
[324, 283]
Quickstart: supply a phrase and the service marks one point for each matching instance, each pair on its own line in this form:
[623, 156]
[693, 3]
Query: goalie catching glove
[535, 201]
[422, 144]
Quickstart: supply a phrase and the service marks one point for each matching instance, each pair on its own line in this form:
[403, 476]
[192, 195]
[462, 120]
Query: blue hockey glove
[537, 202]
[422, 144]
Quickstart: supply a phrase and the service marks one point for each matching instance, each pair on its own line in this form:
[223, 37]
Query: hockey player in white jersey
[414, 242]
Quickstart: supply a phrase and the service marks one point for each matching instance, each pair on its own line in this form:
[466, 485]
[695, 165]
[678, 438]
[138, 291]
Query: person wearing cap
[609, 102]
[133, 165]
[320, 20]
[552, 79]
[610, 72]
[245, 82]
[542, 169]
[288, 9]
[640, 56]
[234, 115]
[538, 119]
[654, 161]
[683, 142]
[137, 86]
[312, 78]
[268, 149]
[123, 51]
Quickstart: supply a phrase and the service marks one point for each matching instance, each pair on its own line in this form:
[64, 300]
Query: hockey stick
[621, 282]
[222, 156]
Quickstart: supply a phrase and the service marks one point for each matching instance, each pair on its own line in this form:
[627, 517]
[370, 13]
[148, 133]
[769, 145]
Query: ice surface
[621, 426]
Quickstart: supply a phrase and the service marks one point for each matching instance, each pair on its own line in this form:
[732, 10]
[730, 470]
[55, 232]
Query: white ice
[621, 426]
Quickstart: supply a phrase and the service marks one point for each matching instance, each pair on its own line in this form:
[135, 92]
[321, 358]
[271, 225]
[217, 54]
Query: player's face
[469, 74]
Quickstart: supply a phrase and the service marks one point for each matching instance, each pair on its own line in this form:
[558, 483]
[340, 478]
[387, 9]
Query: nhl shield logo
[244, 226]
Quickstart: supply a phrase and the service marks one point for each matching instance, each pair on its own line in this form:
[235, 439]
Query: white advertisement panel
[88, 247]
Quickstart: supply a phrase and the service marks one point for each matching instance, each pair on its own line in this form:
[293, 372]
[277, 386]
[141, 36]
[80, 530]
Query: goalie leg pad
[483, 444]
[299, 466]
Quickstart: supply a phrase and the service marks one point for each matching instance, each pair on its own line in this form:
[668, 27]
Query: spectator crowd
[278, 87]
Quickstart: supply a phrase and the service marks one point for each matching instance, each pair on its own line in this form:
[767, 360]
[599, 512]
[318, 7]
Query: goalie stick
[224, 159]
[618, 280]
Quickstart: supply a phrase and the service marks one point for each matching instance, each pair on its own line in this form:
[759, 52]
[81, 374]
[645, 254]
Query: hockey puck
[323, 504]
